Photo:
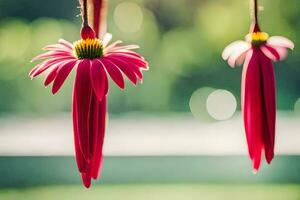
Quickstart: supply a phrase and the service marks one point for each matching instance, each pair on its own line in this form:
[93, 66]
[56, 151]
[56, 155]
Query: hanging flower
[94, 59]
[258, 86]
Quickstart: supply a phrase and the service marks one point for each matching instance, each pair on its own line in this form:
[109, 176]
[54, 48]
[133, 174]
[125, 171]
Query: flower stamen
[88, 48]
[257, 38]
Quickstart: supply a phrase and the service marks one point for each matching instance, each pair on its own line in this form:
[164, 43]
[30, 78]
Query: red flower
[258, 87]
[94, 60]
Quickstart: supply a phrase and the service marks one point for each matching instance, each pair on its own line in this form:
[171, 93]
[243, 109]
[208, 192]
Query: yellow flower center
[88, 48]
[257, 38]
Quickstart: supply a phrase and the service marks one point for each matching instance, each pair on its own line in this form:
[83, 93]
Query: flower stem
[255, 12]
[84, 13]
[255, 25]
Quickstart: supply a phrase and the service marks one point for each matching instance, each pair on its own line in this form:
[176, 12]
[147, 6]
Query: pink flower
[258, 88]
[93, 60]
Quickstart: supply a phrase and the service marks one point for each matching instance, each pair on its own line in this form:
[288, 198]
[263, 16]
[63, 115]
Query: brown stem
[84, 13]
[254, 10]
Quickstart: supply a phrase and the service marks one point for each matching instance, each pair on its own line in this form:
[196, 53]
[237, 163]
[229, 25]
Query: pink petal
[57, 47]
[113, 45]
[114, 72]
[280, 41]
[123, 48]
[270, 52]
[237, 57]
[237, 46]
[240, 60]
[98, 155]
[65, 43]
[131, 66]
[106, 39]
[51, 54]
[252, 107]
[83, 92]
[51, 76]
[269, 102]
[81, 163]
[86, 178]
[46, 65]
[282, 52]
[139, 62]
[62, 74]
[125, 69]
[98, 79]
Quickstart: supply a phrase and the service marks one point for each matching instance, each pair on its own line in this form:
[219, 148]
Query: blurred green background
[183, 41]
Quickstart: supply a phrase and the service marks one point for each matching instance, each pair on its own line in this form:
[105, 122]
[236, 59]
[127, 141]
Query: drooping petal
[132, 66]
[51, 76]
[235, 47]
[270, 52]
[237, 57]
[81, 162]
[62, 74]
[140, 62]
[125, 69]
[40, 68]
[269, 102]
[98, 155]
[99, 79]
[114, 72]
[253, 106]
[86, 178]
[83, 92]
[279, 41]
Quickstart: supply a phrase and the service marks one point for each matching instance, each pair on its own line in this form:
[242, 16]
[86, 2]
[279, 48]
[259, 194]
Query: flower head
[94, 60]
[101, 59]
[258, 87]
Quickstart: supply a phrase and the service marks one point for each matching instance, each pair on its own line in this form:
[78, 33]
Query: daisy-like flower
[258, 87]
[93, 59]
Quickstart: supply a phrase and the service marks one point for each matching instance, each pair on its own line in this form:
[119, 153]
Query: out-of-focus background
[179, 135]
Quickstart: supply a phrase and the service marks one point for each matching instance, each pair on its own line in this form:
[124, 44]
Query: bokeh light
[297, 106]
[198, 103]
[221, 104]
[128, 16]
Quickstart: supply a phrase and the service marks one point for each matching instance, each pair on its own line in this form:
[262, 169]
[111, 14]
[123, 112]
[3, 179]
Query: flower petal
[114, 72]
[237, 57]
[62, 74]
[136, 61]
[99, 138]
[106, 39]
[65, 43]
[252, 106]
[83, 92]
[98, 79]
[52, 54]
[237, 46]
[280, 42]
[269, 102]
[81, 163]
[51, 76]
[125, 69]
[270, 52]
[46, 65]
